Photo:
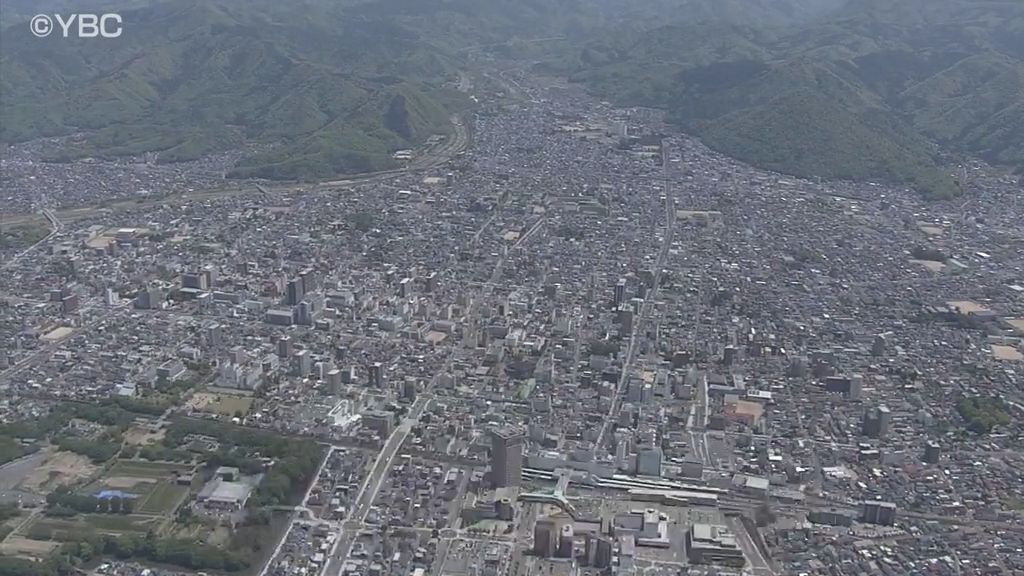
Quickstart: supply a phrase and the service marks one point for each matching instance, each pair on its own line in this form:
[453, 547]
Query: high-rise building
[546, 537]
[648, 461]
[729, 355]
[620, 293]
[876, 422]
[506, 457]
[604, 552]
[149, 299]
[566, 541]
[932, 453]
[284, 348]
[856, 387]
[884, 418]
[409, 389]
[880, 513]
[405, 287]
[307, 278]
[294, 292]
[377, 374]
[334, 381]
[302, 363]
[879, 346]
[305, 313]
[213, 335]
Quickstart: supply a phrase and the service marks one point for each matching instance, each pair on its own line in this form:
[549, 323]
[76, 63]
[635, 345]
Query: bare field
[1007, 353]
[141, 436]
[225, 404]
[21, 546]
[967, 306]
[931, 265]
[59, 468]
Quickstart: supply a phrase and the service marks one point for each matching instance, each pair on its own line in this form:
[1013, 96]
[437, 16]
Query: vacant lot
[58, 468]
[225, 404]
[140, 436]
[1008, 353]
[21, 546]
[967, 306]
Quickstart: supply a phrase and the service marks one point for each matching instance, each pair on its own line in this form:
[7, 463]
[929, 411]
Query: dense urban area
[567, 339]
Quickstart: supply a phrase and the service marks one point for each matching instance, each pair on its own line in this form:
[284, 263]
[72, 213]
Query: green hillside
[861, 89]
[188, 78]
[873, 91]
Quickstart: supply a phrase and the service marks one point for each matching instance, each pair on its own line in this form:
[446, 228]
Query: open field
[141, 436]
[163, 499]
[152, 484]
[21, 546]
[153, 470]
[64, 528]
[225, 404]
[967, 306]
[1017, 324]
[1008, 353]
[59, 467]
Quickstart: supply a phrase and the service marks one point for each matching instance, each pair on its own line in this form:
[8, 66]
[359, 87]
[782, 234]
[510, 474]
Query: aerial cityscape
[559, 336]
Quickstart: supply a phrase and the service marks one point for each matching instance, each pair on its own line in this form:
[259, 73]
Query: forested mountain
[866, 92]
[834, 88]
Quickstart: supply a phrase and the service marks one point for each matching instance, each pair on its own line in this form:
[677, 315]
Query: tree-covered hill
[873, 90]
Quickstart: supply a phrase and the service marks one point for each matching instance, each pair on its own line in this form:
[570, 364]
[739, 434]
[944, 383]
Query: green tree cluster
[65, 502]
[983, 413]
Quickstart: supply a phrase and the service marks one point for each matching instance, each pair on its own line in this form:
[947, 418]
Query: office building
[598, 551]
[506, 457]
[302, 363]
[334, 381]
[566, 541]
[546, 534]
[648, 461]
[293, 292]
[308, 281]
[377, 375]
[712, 544]
[876, 422]
[880, 513]
[380, 421]
[620, 294]
[284, 347]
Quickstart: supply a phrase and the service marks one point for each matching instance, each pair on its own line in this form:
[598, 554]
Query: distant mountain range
[871, 90]
[189, 77]
[858, 89]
